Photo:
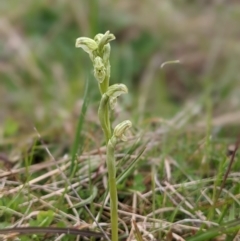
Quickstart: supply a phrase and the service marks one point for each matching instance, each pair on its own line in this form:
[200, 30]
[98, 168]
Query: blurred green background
[42, 74]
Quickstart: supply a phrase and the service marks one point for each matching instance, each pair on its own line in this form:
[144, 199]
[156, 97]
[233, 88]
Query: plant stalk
[103, 115]
[112, 187]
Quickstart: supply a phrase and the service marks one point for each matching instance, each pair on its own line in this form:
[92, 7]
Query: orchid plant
[99, 50]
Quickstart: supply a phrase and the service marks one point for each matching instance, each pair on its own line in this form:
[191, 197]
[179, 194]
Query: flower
[99, 69]
[121, 128]
[114, 91]
[87, 44]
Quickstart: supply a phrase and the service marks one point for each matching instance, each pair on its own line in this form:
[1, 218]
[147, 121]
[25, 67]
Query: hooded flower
[87, 44]
[120, 129]
[114, 91]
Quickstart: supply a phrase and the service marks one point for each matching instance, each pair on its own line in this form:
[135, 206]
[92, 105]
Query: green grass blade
[76, 149]
[226, 228]
[130, 167]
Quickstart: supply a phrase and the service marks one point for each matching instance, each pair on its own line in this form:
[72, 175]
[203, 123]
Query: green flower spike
[99, 51]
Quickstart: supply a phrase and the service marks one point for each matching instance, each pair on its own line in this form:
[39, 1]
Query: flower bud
[114, 91]
[121, 128]
[99, 69]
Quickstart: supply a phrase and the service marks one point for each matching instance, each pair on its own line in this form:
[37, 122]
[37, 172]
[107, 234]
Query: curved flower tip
[107, 37]
[120, 129]
[114, 91]
[87, 44]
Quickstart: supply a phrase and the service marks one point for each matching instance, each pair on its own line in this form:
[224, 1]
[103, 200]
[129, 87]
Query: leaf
[138, 184]
[44, 219]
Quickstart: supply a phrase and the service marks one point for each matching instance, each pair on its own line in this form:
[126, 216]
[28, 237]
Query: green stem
[112, 187]
[103, 114]
[103, 87]
[107, 118]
